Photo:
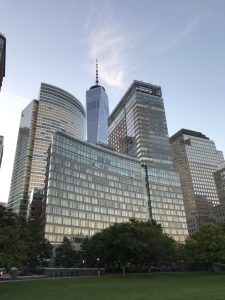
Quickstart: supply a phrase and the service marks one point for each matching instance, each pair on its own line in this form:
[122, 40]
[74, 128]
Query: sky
[177, 44]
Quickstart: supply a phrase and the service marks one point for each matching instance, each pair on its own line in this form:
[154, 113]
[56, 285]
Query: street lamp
[98, 272]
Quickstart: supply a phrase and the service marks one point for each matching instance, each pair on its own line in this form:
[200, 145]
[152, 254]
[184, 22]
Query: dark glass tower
[1, 148]
[2, 57]
[97, 113]
[138, 127]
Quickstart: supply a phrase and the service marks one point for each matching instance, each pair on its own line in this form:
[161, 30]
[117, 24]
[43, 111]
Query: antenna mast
[96, 72]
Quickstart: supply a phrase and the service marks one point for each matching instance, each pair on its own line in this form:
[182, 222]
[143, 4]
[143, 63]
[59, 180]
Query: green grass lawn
[153, 287]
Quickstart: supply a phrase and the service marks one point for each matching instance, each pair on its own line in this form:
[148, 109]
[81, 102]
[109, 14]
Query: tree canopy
[207, 245]
[66, 255]
[133, 242]
[22, 242]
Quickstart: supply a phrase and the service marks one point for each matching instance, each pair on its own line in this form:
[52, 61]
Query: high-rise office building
[138, 127]
[196, 158]
[2, 57]
[56, 110]
[97, 113]
[89, 187]
[19, 189]
[1, 148]
[219, 177]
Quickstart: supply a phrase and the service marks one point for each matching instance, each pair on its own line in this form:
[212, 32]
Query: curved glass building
[56, 110]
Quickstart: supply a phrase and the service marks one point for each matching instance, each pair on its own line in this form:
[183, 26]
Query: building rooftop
[139, 86]
[98, 147]
[57, 89]
[188, 132]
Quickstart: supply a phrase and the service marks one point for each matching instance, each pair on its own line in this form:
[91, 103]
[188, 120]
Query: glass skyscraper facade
[97, 113]
[196, 158]
[56, 110]
[18, 196]
[90, 187]
[2, 57]
[138, 127]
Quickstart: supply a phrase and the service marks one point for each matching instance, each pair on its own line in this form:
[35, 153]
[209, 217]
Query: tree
[22, 242]
[38, 248]
[132, 242]
[207, 245]
[13, 247]
[66, 256]
[157, 246]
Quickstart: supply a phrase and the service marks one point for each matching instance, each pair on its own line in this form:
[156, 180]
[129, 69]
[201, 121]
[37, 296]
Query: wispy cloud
[108, 45]
[190, 27]
[13, 101]
[109, 42]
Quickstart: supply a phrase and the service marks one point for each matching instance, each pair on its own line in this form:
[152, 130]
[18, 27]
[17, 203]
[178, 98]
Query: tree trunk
[123, 270]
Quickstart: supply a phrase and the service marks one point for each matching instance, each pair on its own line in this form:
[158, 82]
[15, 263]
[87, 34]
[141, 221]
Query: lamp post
[98, 272]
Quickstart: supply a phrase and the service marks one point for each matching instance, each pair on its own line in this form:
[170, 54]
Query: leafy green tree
[66, 256]
[134, 242]
[13, 247]
[22, 242]
[38, 248]
[207, 245]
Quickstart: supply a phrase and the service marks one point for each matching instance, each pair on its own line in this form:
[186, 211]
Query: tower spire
[96, 72]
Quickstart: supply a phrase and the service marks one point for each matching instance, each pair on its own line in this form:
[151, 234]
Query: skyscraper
[97, 113]
[137, 127]
[56, 110]
[1, 148]
[196, 158]
[2, 57]
[19, 189]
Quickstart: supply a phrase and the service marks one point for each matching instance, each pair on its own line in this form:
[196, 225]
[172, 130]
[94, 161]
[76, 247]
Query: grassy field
[153, 287]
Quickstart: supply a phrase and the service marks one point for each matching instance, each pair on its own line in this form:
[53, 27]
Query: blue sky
[177, 44]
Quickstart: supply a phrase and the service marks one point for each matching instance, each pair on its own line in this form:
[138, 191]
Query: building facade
[219, 177]
[137, 127]
[89, 188]
[97, 113]
[219, 213]
[196, 158]
[56, 110]
[19, 189]
[2, 57]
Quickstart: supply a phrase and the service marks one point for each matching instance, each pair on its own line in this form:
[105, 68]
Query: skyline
[181, 49]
